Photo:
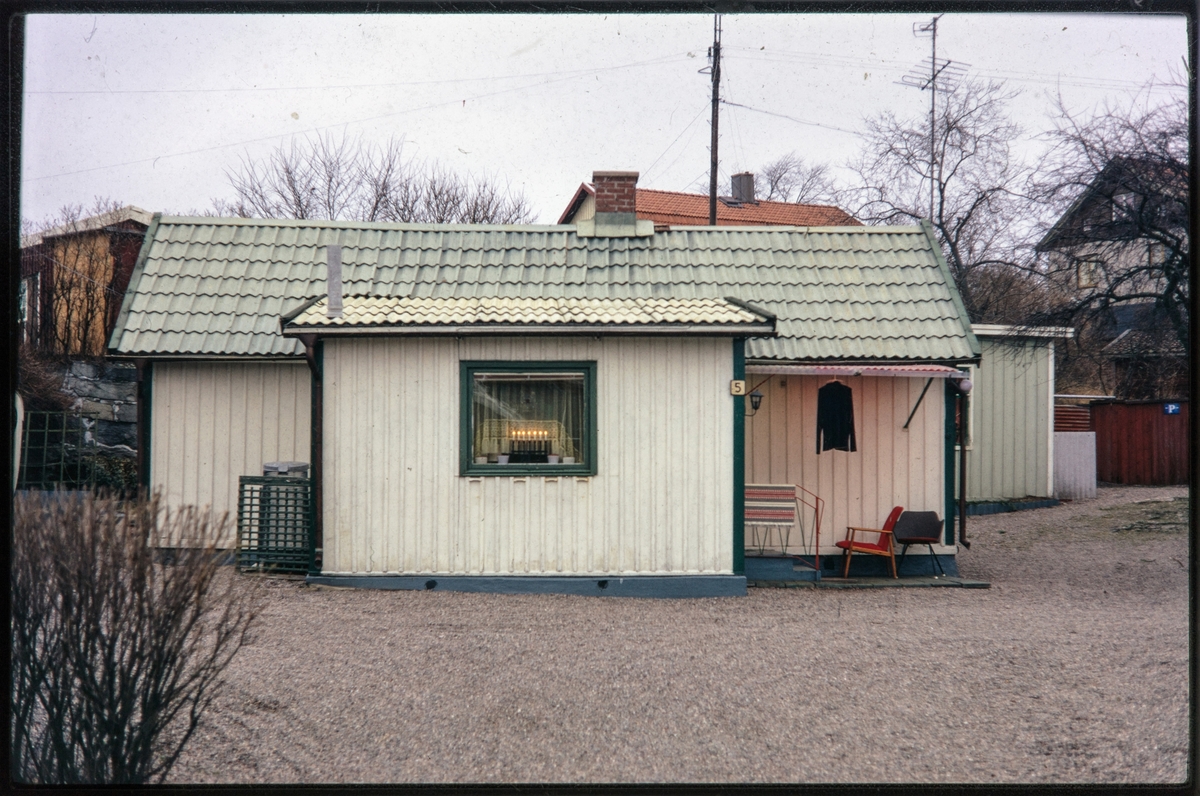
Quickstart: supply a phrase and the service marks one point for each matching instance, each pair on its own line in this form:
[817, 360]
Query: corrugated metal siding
[661, 501]
[1072, 418]
[1074, 465]
[891, 466]
[214, 421]
[1009, 455]
[1136, 443]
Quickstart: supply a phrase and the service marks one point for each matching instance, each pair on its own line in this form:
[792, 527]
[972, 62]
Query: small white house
[547, 408]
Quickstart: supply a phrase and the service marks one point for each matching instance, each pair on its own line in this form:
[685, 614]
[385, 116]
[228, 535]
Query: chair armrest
[870, 530]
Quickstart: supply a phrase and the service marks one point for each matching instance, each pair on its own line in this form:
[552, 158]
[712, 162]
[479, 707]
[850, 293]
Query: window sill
[523, 470]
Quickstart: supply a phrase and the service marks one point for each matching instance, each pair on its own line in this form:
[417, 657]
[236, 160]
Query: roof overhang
[850, 369]
[1006, 330]
[467, 316]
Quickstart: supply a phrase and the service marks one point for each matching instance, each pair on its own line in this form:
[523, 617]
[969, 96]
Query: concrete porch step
[827, 582]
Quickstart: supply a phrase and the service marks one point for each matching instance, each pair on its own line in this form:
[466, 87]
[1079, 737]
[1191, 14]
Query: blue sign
[1170, 409]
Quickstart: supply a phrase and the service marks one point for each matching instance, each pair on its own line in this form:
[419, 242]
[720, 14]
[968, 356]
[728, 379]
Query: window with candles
[528, 418]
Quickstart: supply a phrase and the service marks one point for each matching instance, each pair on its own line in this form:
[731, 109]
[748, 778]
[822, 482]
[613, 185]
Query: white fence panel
[1074, 465]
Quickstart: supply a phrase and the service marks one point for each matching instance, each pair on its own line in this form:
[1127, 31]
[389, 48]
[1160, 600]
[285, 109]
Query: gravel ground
[1072, 667]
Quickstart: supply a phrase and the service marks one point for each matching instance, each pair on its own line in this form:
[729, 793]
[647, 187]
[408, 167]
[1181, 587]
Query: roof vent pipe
[743, 187]
[333, 254]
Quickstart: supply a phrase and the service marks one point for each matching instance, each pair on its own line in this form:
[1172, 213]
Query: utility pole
[950, 72]
[715, 52]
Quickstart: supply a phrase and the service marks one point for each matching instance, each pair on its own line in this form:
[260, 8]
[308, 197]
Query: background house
[740, 208]
[73, 278]
[81, 430]
[1122, 242]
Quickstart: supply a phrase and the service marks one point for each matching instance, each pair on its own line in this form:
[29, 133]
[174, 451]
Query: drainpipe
[963, 476]
[965, 404]
[144, 397]
[312, 355]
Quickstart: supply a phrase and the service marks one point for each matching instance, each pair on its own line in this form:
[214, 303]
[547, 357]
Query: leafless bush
[115, 655]
[40, 380]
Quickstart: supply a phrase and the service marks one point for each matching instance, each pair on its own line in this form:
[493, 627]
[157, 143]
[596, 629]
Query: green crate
[276, 531]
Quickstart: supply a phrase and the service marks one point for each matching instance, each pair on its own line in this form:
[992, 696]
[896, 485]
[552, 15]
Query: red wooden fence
[1137, 442]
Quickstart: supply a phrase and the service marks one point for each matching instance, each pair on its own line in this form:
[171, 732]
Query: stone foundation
[105, 395]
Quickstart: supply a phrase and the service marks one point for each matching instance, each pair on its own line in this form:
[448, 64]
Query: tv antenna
[927, 75]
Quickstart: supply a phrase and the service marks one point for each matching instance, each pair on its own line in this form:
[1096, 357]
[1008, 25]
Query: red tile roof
[691, 209]
[686, 209]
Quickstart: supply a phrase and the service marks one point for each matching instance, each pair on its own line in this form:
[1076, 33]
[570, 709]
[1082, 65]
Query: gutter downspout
[313, 356]
[962, 470]
[739, 461]
[145, 394]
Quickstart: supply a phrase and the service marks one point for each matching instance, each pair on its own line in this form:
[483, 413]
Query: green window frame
[466, 435]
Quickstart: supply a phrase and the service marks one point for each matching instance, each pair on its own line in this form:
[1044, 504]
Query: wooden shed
[1010, 426]
[449, 338]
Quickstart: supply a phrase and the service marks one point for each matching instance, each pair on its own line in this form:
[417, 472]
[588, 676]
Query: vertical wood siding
[1010, 454]
[1137, 444]
[661, 501]
[214, 421]
[891, 466]
[1074, 464]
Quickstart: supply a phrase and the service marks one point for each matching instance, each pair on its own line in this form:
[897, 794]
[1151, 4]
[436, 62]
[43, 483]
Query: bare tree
[793, 179]
[348, 179]
[979, 210]
[115, 654]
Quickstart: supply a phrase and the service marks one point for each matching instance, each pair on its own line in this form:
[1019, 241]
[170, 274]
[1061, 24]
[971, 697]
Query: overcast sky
[155, 110]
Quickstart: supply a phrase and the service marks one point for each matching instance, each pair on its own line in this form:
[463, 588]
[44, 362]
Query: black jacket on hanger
[835, 418]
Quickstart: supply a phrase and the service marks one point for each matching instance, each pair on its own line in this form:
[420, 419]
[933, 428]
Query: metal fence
[275, 524]
[56, 452]
[59, 451]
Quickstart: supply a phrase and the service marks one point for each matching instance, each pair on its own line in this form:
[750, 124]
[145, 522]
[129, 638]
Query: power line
[684, 130]
[792, 118]
[567, 73]
[1078, 81]
[300, 132]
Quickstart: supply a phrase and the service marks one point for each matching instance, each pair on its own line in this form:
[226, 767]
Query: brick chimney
[616, 191]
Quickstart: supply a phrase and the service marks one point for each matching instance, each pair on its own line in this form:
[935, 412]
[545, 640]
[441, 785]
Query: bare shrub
[115, 654]
[40, 380]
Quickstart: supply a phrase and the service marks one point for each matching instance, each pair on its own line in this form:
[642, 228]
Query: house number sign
[737, 387]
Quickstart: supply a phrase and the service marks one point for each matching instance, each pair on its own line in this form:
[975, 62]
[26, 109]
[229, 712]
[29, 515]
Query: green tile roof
[217, 287]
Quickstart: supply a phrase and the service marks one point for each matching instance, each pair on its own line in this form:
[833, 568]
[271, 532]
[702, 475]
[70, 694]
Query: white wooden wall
[892, 466]
[661, 501]
[1013, 424]
[214, 421]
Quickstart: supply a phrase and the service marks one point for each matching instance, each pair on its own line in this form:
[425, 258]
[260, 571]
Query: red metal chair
[882, 546]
